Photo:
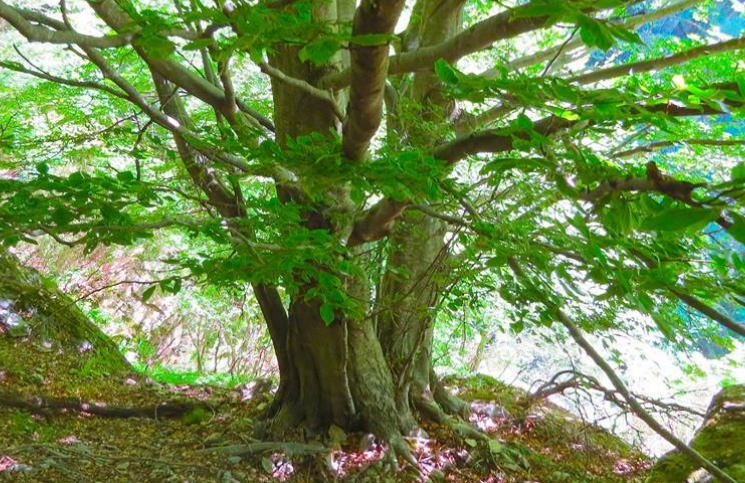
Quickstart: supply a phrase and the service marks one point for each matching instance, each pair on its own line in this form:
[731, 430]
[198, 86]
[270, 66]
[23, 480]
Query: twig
[559, 51]
[303, 86]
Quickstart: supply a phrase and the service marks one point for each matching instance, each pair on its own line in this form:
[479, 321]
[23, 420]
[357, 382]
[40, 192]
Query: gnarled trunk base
[335, 375]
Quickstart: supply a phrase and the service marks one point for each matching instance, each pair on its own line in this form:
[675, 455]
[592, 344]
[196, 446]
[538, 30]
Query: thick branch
[576, 43]
[496, 141]
[481, 35]
[368, 72]
[660, 63]
[492, 141]
[379, 219]
[36, 33]
[654, 181]
[377, 222]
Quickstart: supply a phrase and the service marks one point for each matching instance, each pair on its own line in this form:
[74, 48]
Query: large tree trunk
[409, 293]
[50, 313]
[418, 261]
[348, 373]
[336, 375]
[330, 373]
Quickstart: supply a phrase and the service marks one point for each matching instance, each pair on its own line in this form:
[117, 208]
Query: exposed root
[466, 430]
[449, 402]
[432, 410]
[429, 409]
[39, 403]
[397, 446]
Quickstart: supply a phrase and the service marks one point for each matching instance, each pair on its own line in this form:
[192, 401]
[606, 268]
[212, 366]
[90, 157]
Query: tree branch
[579, 379]
[577, 43]
[695, 302]
[116, 18]
[303, 86]
[36, 33]
[377, 221]
[620, 386]
[61, 80]
[660, 63]
[504, 25]
[648, 148]
[493, 141]
[496, 141]
[368, 73]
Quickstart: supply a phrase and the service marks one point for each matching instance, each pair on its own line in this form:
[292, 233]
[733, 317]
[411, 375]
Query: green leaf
[327, 313]
[737, 230]
[495, 447]
[523, 122]
[679, 219]
[267, 464]
[148, 293]
[738, 172]
[199, 44]
[594, 33]
[157, 46]
[445, 72]
[320, 50]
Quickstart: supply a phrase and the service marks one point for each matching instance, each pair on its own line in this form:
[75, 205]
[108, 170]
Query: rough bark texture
[413, 284]
[409, 292]
[720, 439]
[334, 373]
[49, 312]
[369, 69]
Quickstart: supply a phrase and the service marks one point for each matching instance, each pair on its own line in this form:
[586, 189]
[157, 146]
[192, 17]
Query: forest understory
[205, 433]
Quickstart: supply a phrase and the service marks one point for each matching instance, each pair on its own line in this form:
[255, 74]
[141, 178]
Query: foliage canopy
[556, 153]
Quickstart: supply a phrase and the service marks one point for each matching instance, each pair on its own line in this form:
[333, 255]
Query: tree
[379, 181]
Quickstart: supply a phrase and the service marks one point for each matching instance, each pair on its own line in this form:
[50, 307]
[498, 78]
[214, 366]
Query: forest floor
[213, 443]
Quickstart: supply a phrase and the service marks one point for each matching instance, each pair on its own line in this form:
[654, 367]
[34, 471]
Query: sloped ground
[528, 444]
[721, 439]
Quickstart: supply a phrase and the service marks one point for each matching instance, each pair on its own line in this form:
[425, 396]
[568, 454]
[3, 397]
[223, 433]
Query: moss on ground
[721, 439]
[538, 443]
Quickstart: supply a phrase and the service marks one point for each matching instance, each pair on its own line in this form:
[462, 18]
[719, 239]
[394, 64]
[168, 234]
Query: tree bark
[330, 373]
[417, 265]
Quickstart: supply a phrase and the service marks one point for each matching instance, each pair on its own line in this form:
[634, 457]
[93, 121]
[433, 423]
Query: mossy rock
[45, 313]
[721, 439]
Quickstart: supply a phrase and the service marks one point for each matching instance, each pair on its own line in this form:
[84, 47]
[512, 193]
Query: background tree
[522, 173]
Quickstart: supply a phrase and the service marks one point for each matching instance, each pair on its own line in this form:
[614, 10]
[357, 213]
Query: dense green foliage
[86, 203]
[368, 180]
